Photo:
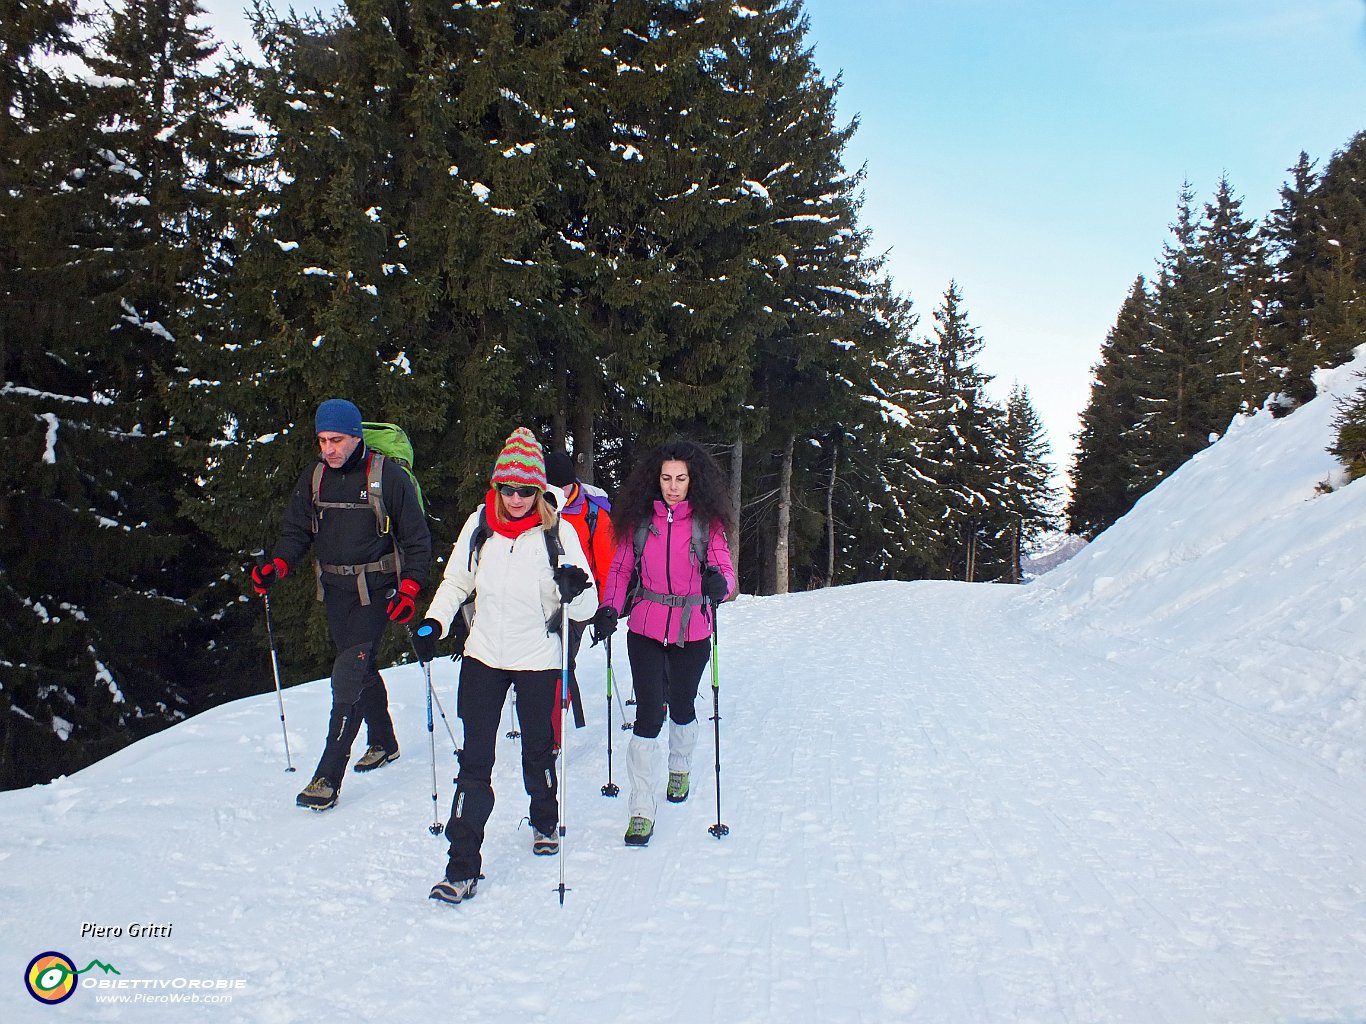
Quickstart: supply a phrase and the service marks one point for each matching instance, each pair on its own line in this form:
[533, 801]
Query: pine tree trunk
[737, 465]
[585, 440]
[781, 569]
[830, 518]
[559, 420]
[1015, 573]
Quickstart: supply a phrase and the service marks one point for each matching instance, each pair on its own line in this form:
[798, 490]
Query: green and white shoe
[677, 790]
[639, 831]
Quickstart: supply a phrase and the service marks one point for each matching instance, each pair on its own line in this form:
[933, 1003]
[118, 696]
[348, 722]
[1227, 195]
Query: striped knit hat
[521, 463]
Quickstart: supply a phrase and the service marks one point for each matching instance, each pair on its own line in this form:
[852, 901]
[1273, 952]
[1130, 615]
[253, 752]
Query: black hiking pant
[665, 676]
[483, 691]
[357, 631]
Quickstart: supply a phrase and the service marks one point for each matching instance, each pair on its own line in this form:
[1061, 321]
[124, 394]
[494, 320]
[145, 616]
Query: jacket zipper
[668, 569]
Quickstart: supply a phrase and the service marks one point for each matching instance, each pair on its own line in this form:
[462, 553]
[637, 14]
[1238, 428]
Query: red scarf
[510, 528]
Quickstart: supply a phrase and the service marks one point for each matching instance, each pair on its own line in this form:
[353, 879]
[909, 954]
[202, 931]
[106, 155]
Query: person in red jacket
[676, 508]
[588, 511]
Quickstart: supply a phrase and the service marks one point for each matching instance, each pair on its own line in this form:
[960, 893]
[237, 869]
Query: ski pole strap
[387, 565]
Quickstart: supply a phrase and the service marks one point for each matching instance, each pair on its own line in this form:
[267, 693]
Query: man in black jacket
[361, 514]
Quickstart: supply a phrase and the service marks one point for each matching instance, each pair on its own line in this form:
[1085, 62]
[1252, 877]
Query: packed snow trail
[939, 811]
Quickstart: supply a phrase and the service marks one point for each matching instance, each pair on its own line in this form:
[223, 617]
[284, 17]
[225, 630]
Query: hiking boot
[640, 830]
[543, 845]
[375, 757]
[677, 791]
[454, 892]
[318, 795]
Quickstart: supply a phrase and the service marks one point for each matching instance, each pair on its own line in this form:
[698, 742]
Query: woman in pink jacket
[671, 568]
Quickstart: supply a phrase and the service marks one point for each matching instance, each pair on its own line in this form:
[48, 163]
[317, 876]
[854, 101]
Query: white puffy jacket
[515, 595]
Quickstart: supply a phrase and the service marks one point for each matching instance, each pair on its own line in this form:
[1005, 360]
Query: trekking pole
[435, 828]
[564, 736]
[611, 789]
[433, 695]
[275, 666]
[718, 830]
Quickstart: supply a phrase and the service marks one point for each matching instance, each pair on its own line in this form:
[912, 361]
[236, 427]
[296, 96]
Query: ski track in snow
[924, 826]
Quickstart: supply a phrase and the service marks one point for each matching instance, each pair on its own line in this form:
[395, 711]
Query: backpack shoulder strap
[374, 490]
[591, 518]
[554, 550]
[701, 534]
[477, 538]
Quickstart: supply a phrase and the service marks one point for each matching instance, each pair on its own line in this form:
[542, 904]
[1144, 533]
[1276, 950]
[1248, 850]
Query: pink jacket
[667, 566]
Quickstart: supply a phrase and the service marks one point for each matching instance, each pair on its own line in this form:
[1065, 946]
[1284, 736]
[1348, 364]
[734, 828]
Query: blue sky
[1034, 151]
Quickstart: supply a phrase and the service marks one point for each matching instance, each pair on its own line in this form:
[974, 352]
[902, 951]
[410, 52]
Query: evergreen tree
[1294, 236]
[1028, 494]
[888, 522]
[101, 572]
[1232, 251]
[813, 303]
[965, 451]
[1337, 321]
[1349, 434]
[1105, 463]
[392, 254]
[1175, 378]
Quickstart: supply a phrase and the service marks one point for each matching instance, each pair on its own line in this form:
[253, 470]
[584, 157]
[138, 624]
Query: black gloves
[424, 640]
[572, 582]
[460, 632]
[714, 587]
[604, 623]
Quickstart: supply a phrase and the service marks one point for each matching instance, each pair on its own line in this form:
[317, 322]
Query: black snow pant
[665, 676]
[483, 690]
[358, 693]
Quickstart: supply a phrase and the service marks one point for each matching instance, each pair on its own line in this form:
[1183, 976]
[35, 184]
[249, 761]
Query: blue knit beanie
[338, 416]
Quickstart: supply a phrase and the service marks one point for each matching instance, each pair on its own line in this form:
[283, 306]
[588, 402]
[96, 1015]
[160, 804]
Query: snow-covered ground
[1131, 791]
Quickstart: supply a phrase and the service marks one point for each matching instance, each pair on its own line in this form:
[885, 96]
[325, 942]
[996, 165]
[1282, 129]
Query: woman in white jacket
[513, 641]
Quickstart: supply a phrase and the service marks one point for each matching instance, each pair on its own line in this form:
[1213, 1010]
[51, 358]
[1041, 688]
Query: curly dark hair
[708, 494]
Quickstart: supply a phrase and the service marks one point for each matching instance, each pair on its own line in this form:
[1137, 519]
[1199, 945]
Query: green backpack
[391, 441]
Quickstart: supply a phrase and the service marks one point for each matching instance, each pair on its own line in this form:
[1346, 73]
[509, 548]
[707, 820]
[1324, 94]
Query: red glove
[263, 576]
[402, 607]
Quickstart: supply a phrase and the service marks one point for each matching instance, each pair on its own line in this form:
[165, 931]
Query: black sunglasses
[507, 491]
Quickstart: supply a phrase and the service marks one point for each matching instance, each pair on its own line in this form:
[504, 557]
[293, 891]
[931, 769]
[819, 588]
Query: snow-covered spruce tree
[108, 260]
[1103, 466]
[964, 453]
[1337, 320]
[646, 233]
[885, 504]
[1174, 378]
[813, 299]
[1234, 255]
[1349, 434]
[1294, 239]
[391, 255]
[1028, 493]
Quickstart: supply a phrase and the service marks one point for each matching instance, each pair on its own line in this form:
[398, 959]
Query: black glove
[604, 623]
[460, 632]
[424, 640]
[714, 587]
[572, 582]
